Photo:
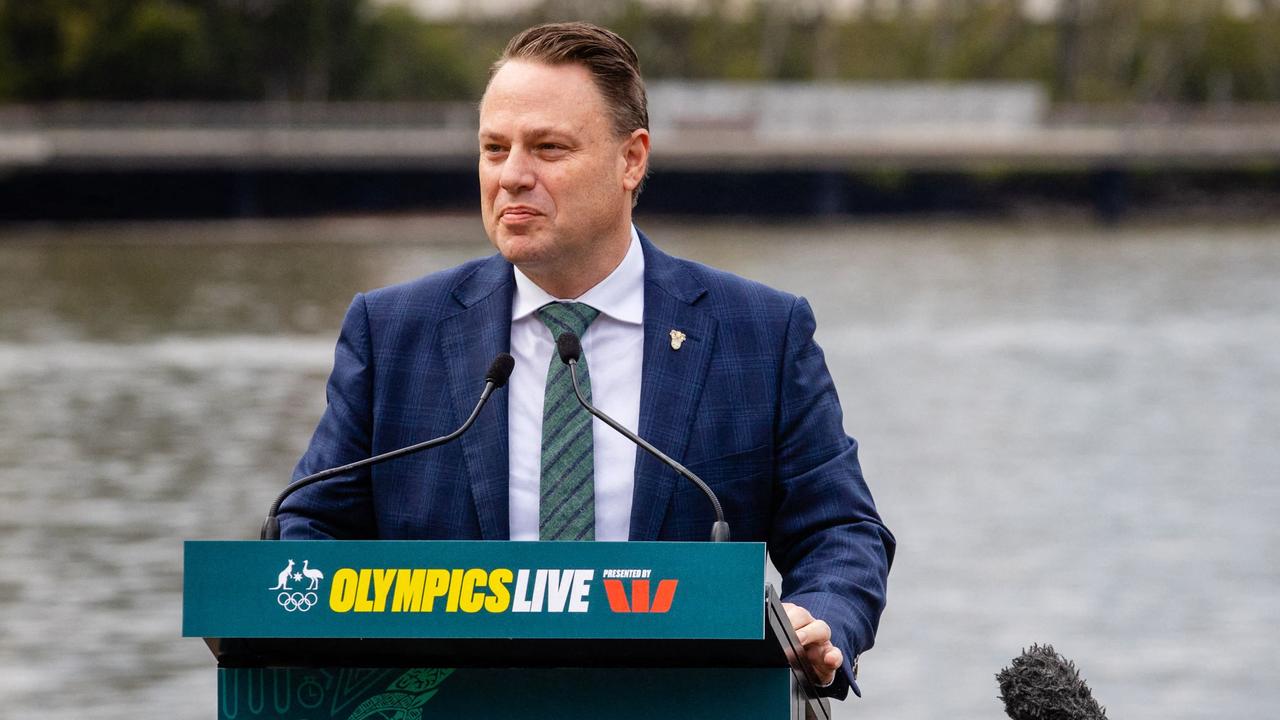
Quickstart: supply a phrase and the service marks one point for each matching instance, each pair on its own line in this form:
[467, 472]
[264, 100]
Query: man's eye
[550, 147]
[493, 149]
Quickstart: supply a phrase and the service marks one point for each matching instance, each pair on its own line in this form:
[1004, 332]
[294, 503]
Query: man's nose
[517, 172]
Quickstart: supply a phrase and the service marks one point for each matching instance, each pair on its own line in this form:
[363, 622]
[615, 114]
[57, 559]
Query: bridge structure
[700, 129]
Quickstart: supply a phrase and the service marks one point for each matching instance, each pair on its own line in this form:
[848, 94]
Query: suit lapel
[469, 341]
[671, 384]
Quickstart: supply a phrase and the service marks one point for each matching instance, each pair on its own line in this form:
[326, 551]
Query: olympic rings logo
[297, 601]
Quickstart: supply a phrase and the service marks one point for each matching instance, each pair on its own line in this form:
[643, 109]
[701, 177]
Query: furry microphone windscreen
[1040, 684]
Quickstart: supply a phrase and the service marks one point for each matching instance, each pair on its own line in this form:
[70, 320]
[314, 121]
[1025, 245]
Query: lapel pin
[677, 339]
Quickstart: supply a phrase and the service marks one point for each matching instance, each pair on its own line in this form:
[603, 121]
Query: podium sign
[364, 630]
[408, 589]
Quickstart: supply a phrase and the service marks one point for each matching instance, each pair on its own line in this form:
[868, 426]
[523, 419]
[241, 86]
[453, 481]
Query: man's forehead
[530, 87]
[535, 101]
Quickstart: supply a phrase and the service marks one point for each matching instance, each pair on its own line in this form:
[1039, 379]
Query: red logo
[639, 602]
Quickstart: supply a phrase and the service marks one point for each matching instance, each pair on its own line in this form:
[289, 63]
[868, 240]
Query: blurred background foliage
[1149, 51]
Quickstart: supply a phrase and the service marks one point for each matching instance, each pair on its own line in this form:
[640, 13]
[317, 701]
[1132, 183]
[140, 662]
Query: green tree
[402, 58]
[1093, 51]
[150, 50]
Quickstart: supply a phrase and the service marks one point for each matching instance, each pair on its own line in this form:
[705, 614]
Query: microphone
[1040, 683]
[570, 350]
[499, 372]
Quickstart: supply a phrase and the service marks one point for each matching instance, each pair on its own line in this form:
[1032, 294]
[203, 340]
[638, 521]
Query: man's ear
[635, 159]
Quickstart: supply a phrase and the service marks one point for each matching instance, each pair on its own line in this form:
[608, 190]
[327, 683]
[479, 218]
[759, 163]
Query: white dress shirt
[613, 347]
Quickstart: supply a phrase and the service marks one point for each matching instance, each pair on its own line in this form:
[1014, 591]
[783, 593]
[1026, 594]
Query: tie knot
[567, 317]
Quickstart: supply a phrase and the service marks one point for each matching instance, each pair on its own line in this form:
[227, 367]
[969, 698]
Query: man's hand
[815, 636]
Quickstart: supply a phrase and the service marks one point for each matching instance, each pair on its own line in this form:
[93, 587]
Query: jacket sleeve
[827, 540]
[341, 506]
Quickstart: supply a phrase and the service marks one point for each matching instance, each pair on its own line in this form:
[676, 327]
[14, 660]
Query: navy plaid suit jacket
[747, 404]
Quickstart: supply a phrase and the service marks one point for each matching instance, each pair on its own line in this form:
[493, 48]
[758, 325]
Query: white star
[297, 577]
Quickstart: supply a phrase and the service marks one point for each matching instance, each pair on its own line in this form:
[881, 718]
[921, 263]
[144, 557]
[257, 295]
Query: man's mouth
[517, 213]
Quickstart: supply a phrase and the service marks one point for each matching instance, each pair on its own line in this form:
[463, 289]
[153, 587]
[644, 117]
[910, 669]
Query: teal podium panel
[407, 589]
[365, 630]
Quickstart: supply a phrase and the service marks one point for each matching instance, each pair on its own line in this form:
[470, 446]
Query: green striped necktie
[567, 510]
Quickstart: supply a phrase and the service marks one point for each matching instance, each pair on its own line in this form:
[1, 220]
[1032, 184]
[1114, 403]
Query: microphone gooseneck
[497, 376]
[569, 348]
[1040, 683]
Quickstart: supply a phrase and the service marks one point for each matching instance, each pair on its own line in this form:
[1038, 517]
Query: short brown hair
[612, 62]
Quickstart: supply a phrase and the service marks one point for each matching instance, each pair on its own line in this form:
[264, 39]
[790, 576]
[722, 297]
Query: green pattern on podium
[527, 694]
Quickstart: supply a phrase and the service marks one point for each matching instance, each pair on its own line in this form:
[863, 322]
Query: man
[716, 371]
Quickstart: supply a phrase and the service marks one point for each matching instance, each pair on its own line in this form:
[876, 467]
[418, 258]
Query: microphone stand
[498, 374]
[719, 530]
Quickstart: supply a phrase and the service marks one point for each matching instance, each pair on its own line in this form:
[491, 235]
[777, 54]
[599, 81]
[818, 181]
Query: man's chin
[524, 251]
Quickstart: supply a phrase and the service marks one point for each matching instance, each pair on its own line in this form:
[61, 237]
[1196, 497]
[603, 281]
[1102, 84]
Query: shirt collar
[620, 295]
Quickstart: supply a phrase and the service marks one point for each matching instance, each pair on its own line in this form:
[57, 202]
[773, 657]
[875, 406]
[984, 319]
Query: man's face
[555, 179]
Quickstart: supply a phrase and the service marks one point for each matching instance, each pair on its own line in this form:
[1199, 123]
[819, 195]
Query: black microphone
[570, 349]
[1040, 683]
[499, 372]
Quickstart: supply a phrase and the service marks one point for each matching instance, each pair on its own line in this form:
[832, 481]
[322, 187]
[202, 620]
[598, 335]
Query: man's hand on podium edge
[815, 636]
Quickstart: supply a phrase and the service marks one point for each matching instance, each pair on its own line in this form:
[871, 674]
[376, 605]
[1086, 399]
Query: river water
[1074, 432]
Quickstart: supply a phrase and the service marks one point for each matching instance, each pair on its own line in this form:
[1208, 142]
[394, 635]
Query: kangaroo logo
[297, 600]
[282, 582]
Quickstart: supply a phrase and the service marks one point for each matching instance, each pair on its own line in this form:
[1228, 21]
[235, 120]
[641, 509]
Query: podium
[400, 630]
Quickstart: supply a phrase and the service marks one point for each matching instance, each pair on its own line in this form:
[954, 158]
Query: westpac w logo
[640, 600]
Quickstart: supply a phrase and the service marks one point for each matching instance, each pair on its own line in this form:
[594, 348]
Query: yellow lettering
[472, 601]
[409, 590]
[455, 587]
[437, 584]
[342, 595]
[382, 579]
[499, 595]
[363, 604]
